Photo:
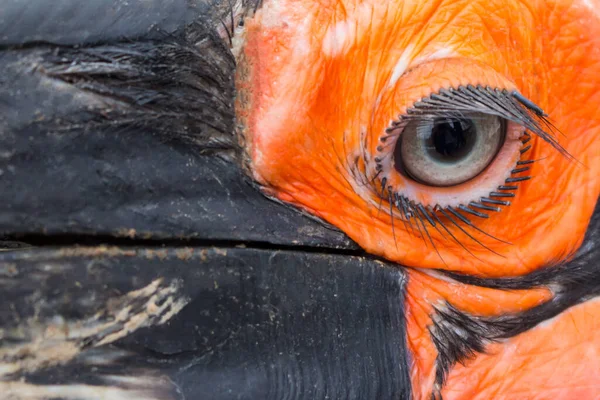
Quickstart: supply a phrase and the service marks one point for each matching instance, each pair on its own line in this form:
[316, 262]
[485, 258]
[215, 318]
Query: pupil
[450, 137]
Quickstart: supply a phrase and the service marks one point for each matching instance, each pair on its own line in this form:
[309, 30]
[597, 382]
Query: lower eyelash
[445, 217]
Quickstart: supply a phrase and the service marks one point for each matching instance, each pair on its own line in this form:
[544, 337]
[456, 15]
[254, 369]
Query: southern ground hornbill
[299, 199]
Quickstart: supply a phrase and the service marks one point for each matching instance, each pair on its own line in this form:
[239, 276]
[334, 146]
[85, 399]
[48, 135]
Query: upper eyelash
[511, 106]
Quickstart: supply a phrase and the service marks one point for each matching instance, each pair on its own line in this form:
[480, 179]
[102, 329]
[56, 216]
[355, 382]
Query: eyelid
[421, 82]
[492, 177]
[435, 86]
[426, 79]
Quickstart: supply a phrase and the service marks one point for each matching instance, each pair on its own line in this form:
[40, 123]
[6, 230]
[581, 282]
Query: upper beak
[191, 283]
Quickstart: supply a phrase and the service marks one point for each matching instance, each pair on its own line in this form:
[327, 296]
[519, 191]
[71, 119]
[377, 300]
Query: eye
[446, 151]
[456, 157]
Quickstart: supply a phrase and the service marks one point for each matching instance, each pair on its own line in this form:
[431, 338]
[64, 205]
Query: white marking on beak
[56, 341]
[26, 391]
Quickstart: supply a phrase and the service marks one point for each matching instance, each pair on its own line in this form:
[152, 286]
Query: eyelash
[511, 106]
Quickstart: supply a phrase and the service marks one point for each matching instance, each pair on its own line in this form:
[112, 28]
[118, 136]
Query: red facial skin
[319, 83]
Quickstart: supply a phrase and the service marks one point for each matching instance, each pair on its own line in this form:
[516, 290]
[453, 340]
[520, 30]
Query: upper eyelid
[512, 106]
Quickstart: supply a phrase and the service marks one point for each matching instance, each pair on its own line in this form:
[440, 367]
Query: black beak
[143, 263]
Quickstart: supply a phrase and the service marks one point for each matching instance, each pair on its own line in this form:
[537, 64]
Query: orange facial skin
[319, 81]
[318, 75]
[425, 292]
[556, 360]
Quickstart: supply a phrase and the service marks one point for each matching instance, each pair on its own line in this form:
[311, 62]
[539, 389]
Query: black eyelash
[225, 14]
[511, 106]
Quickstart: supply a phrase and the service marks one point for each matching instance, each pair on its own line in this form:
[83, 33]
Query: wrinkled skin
[161, 127]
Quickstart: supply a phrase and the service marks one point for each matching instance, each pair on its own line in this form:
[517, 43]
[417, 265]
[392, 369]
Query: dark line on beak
[60, 240]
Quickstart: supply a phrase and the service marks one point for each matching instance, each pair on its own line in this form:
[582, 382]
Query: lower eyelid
[481, 186]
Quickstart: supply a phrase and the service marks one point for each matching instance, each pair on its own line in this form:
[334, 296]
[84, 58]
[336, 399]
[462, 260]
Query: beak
[147, 267]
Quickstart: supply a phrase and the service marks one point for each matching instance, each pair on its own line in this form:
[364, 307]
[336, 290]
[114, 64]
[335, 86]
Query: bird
[273, 199]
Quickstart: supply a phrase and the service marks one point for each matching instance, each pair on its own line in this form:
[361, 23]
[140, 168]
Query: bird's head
[320, 199]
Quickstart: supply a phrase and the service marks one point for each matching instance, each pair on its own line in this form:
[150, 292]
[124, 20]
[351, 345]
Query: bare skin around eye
[320, 82]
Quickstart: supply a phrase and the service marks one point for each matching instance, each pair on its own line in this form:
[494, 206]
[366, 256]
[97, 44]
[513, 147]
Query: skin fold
[319, 82]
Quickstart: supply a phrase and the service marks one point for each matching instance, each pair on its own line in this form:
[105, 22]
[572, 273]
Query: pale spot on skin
[592, 5]
[272, 14]
[338, 38]
[407, 61]
[402, 64]
[445, 52]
